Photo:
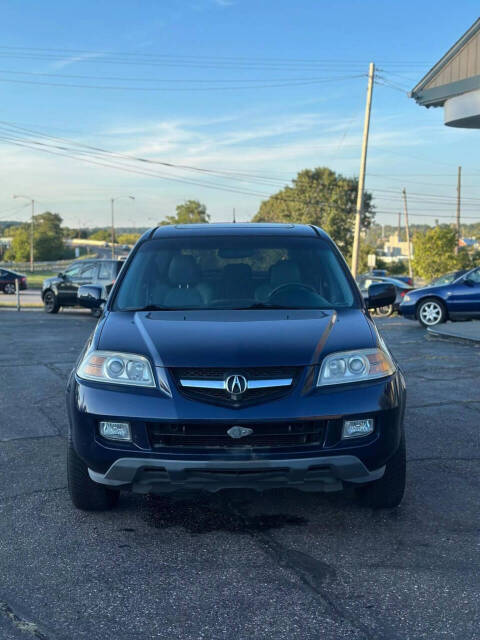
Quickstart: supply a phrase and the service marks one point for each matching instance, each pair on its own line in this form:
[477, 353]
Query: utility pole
[363, 166]
[410, 272]
[399, 228]
[459, 186]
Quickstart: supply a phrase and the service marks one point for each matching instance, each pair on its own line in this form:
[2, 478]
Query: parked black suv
[61, 290]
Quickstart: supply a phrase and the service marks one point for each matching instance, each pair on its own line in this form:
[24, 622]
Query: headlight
[116, 368]
[406, 298]
[355, 366]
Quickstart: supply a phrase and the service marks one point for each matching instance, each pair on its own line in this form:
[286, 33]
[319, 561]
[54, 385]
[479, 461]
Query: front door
[76, 275]
[464, 296]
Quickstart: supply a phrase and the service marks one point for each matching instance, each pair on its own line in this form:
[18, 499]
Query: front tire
[84, 492]
[387, 492]
[431, 312]
[384, 312]
[50, 302]
[9, 289]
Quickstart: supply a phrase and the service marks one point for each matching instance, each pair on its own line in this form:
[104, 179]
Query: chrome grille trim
[251, 384]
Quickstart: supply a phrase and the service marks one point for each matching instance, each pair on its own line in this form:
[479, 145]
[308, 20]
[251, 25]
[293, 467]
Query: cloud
[276, 146]
[66, 62]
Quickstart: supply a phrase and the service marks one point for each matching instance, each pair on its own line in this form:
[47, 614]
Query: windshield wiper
[265, 305]
[156, 307]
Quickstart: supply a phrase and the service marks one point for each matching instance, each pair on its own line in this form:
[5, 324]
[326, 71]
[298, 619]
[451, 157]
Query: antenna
[234, 221]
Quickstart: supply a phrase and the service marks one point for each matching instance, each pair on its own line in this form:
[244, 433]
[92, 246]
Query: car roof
[230, 229]
[87, 260]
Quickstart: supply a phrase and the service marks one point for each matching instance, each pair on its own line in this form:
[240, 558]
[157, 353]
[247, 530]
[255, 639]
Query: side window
[475, 276]
[73, 270]
[105, 271]
[88, 272]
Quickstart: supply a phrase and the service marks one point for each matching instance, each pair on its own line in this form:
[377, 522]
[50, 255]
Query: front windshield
[234, 272]
[446, 279]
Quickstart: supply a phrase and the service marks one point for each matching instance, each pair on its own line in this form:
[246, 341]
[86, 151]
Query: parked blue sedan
[457, 300]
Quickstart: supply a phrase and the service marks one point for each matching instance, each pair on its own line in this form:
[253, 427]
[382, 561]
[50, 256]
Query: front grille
[214, 435]
[222, 397]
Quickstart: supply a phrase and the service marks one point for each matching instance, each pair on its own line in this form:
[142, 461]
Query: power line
[231, 59]
[272, 85]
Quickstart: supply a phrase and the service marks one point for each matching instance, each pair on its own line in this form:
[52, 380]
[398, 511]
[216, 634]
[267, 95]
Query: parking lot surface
[238, 565]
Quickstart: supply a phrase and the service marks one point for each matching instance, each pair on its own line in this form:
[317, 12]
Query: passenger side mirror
[469, 283]
[380, 294]
[90, 296]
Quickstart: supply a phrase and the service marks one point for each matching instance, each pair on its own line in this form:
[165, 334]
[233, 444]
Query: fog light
[356, 428]
[115, 430]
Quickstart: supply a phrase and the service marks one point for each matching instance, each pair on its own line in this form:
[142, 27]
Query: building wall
[464, 65]
[396, 248]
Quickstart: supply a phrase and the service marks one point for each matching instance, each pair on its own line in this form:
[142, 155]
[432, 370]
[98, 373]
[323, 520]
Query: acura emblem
[239, 432]
[236, 384]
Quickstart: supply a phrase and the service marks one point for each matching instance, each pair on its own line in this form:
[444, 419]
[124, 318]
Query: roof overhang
[436, 96]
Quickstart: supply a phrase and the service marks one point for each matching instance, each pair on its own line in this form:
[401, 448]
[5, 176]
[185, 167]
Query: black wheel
[431, 312]
[84, 492]
[387, 492]
[50, 302]
[384, 312]
[9, 288]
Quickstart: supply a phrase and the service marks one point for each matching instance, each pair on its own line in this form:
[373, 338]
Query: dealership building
[454, 82]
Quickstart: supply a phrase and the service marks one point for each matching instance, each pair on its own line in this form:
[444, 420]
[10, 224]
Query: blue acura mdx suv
[235, 356]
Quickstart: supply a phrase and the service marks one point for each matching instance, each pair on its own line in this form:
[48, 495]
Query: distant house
[395, 249]
[467, 242]
[454, 82]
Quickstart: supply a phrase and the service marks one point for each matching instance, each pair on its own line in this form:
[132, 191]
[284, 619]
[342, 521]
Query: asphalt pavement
[238, 565]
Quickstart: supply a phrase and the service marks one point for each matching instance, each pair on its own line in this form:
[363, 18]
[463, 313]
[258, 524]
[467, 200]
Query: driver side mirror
[380, 294]
[90, 296]
[61, 275]
[469, 283]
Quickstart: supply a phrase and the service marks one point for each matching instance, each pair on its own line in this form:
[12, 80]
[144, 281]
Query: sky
[240, 95]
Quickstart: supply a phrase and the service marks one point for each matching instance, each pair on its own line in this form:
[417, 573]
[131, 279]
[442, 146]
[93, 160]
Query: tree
[323, 198]
[190, 212]
[128, 238]
[434, 252]
[104, 235]
[48, 241]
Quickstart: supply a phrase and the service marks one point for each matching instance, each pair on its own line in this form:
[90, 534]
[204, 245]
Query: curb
[441, 335]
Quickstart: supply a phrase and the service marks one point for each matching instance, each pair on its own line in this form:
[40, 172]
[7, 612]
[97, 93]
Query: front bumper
[141, 467]
[308, 474]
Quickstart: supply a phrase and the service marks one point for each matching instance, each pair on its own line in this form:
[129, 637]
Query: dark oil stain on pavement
[204, 514]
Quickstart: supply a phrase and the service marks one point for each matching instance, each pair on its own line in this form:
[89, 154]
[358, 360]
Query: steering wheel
[295, 286]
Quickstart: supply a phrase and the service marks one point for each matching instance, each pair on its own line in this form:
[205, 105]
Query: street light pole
[31, 236]
[31, 228]
[113, 229]
[112, 200]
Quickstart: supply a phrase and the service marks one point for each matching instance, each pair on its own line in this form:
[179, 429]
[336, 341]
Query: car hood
[49, 281]
[428, 290]
[236, 338]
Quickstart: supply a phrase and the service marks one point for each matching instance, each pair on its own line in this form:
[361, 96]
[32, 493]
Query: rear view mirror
[90, 296]
[380, 294]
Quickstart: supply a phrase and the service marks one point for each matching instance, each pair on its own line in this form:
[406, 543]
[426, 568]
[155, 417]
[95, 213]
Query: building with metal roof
[454, 82]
